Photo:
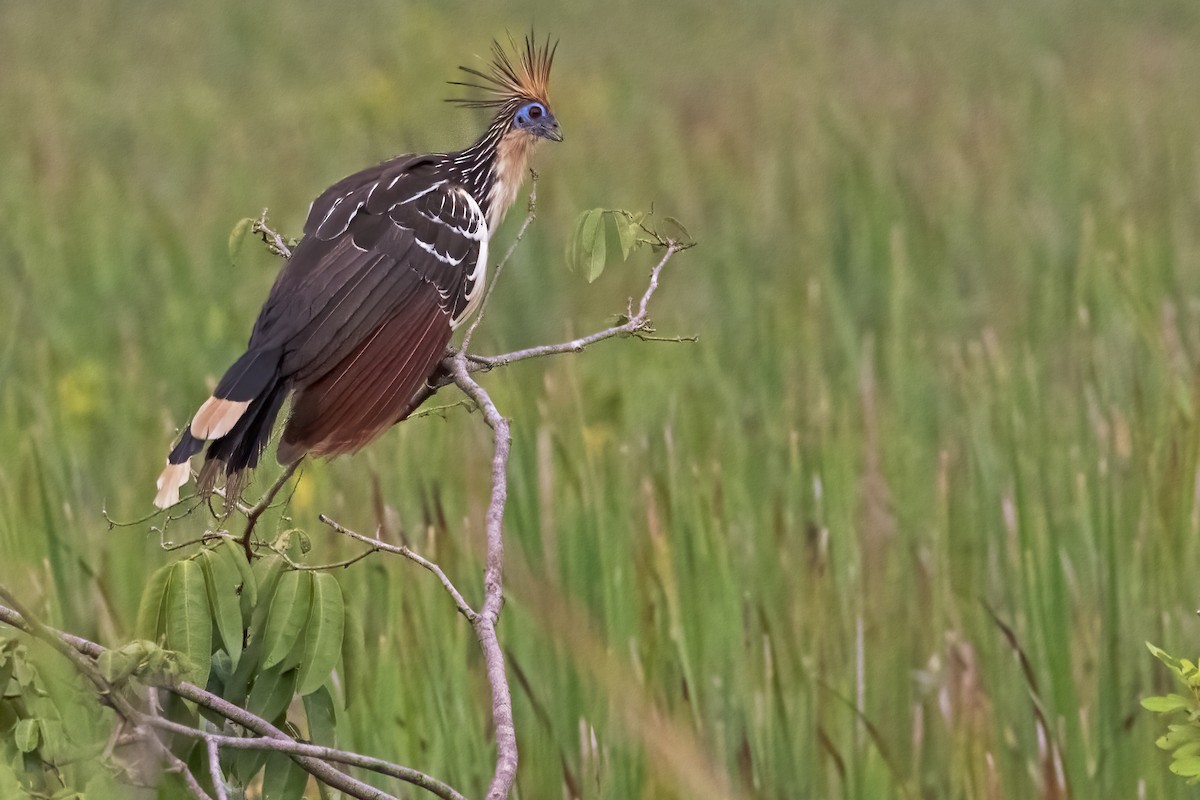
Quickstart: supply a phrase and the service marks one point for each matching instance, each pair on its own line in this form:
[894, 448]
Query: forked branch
[458, 368]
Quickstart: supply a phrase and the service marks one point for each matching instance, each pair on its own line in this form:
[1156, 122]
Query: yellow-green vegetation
[941, 416]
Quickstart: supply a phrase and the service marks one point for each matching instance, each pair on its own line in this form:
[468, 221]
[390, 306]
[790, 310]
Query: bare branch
[27, 622]
[404, 550]
[275, 242]
[493, 584]
[457, 368]
[636, 324]
[440, 410]
[214, 768]
[300, 567]
[311, 758]
[255, 511]
[292, 747]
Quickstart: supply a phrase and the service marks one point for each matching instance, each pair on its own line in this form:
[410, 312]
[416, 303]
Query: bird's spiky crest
[505, 81]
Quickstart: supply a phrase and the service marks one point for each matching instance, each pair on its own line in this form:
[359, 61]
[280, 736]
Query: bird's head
[517, 87]
[536, 119]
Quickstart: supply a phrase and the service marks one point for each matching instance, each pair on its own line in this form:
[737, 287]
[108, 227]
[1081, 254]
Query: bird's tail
[237, 420]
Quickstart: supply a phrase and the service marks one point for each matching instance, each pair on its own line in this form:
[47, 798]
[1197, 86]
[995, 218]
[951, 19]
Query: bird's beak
[548, 129]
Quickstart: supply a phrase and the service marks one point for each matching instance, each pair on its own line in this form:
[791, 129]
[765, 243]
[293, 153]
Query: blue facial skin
[537, 119]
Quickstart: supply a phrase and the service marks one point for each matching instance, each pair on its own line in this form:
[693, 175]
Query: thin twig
[299, 567]
[29, 623]
[214, 767]
[440, 410]
[255, 511]
[292, 747]
[206, 538]
[312, 761]
[634, 324]
[407, 552]
[274, 241]
[456, 368]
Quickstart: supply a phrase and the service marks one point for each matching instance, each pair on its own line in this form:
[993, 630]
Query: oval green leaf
[189, 625]
[233, 555]
[289, 612]
[151, 617]
[593, 247]
[271, 692]
[1165, 704]
[322, 719]
[627, 232]
[222, 578]
[26, 735]
[323, 639]
[237, 236]
[267, 571]
[282, 778]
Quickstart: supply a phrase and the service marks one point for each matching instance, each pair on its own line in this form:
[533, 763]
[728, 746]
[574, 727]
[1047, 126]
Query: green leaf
[572, 254]
[54, 746]
[267, 572]
[627, 232]
[232, 554]
[271, 693]
[323, 638]
[238, 236]
[221, 578]
[1187, 767]
[289, 612]
[1177, 736]
[586, 249]
[283, 779]
[1187, 750]
[151, 618]
[1165, 704]
[681, 233]
[26, 735]
[189, 625]
[322, 719]
[593, 246]
[25, 673]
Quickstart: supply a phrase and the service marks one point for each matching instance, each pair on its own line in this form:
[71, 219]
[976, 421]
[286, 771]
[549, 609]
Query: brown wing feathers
[356, 321]
[392, 259]
[364, 394]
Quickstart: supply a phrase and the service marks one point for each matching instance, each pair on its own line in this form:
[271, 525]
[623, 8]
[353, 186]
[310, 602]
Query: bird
[392, 260]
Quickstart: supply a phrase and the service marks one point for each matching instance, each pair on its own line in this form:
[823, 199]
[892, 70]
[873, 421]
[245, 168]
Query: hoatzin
[392, 260]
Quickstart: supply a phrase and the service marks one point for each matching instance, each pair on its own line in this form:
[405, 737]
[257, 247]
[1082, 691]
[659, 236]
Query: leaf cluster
[258, 637]
[588, 251]
[51, 727]
[1182, 739]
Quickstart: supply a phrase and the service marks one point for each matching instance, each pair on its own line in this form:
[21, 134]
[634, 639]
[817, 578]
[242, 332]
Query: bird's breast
[512, 160]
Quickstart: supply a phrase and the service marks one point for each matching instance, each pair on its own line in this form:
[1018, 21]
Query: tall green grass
[947, 299]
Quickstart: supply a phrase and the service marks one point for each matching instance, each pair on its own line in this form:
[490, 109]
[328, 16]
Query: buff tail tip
[170, 482]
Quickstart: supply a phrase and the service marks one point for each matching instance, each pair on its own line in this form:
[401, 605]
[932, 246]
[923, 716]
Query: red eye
[535, 112]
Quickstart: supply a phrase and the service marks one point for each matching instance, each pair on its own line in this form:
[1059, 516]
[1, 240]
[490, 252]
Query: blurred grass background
[948, 301]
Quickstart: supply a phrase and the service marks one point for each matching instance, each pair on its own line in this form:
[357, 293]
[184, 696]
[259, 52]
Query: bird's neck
[494, 167]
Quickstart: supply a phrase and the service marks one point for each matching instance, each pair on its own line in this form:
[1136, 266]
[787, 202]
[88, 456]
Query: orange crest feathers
[506, 81]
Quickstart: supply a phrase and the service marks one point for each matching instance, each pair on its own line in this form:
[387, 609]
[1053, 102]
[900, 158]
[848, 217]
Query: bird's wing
[392, 259]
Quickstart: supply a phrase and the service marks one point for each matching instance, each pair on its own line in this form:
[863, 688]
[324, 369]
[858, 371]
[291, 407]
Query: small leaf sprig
[1182, 739]
[587, 249]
